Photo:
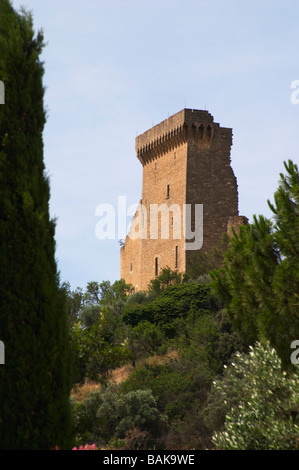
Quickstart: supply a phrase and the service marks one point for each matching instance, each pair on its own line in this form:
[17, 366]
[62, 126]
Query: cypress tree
[35, 379]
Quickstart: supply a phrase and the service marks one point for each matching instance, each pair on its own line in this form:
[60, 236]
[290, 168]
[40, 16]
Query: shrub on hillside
[174, 301]
[260, 402]
[107, 415]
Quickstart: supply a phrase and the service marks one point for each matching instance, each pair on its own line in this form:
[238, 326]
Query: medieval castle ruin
[189, 196]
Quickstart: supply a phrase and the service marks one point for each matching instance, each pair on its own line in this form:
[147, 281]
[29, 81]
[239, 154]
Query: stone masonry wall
[186, 160]
[210, 178]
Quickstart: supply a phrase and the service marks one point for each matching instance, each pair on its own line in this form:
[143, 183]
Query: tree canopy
[259, 280]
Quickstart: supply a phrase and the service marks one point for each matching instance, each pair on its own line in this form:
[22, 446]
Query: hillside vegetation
[201, 362]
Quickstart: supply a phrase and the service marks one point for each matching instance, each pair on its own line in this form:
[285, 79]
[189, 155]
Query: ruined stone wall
[164, 183]
[210, 178]
[163, 153]
[186, 160]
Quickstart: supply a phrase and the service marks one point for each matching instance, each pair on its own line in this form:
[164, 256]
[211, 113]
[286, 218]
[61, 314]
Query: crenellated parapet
[166, 142]
[186, 126]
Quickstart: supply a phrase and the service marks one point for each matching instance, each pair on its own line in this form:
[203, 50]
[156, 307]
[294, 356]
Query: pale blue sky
[114, 68]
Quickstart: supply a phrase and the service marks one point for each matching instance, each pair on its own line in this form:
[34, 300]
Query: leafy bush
[94, 356]
[180, 389]
[166, 278]
[107, 415]
[174, 301]
[162, 380]
[261, 403]
[150, 337]
[137, 298]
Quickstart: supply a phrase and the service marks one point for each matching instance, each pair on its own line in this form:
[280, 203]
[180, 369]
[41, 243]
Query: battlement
[186, 125]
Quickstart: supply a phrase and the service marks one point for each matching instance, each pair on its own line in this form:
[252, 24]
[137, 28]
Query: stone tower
[186, 164]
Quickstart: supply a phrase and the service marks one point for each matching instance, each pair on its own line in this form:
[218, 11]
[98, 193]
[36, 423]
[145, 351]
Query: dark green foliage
[180, 389]
[228, 340]
[97, 332]
[74, 302]
[107, 414]
[166, 278]
[203, 342]
[97, 296]
[150, 338]
[137, 298]
[117, 291]
[90, 315]
[259, 282]
[94, 355]
[35, 380]
[161, 379]
[174, 301]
